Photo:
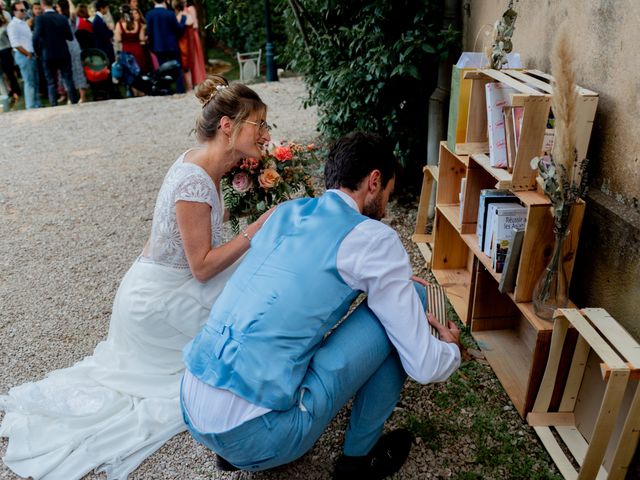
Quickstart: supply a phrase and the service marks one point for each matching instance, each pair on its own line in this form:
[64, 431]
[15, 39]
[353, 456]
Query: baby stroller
[159, 82]
[96, 68]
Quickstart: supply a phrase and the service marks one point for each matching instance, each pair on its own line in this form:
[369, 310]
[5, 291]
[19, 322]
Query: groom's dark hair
[354, 156]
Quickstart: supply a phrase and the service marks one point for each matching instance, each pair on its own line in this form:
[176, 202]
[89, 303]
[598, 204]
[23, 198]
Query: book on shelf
[507, 282]
[510, 138]
[506, 220]
[497, 215]
[498, 96]
[487, 197]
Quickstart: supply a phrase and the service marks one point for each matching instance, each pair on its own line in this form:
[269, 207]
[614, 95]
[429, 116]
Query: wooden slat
[581, 90]
[576, 372]
[549, 419]
[523, 77]
[574, 441]
[627, 441]
[477, 119]
[602, 348]
[578, 446]
[538, 238]
[512, 82]
[433, 170]
[616, 334]
[558, 456]
[604, 424]
[451, 213]
[457, 285]
[426, 252]
[469, 148]
[425, 199]
[510, 361]
[534, 122]
[558, 336]
[422, 238]
[451, 171]
[585, 114]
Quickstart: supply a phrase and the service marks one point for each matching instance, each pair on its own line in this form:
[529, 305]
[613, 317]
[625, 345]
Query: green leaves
[372, 68]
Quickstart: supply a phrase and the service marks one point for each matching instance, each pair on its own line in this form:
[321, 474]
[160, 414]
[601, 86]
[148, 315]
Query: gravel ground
[77, 190]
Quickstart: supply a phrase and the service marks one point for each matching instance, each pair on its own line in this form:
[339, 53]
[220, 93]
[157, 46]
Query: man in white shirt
[20, 37]
[267, 373]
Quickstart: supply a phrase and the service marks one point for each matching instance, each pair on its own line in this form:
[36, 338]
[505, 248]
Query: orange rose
[269, 178]
[283, 153]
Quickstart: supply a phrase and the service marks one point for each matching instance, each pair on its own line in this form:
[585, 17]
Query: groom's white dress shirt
[371, 258]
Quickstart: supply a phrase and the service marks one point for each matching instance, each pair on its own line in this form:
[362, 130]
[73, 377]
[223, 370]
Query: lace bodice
[184, 181]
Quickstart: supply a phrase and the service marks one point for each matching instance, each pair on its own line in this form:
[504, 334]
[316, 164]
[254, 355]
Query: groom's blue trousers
[357, 359]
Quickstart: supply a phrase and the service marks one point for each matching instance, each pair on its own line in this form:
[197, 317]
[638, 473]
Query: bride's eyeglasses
[262, 126]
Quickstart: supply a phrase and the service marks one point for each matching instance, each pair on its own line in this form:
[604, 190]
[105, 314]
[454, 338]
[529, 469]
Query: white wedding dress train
[113, 409]
[116, 407]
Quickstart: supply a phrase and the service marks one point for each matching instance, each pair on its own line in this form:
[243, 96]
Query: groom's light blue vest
[274, 311]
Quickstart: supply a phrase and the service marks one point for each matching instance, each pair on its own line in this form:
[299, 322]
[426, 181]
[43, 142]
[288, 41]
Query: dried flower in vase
[563, 175]
[503, 31]
[562, 172]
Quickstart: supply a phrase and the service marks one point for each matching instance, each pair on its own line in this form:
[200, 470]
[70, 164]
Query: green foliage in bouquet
[256, 185]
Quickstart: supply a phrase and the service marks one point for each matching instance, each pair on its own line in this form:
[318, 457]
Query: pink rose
[268, 178]
[283, 153]
[250, 163]
[241, 182]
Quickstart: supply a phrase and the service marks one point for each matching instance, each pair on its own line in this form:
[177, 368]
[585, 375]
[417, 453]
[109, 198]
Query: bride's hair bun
[209, 88]
[219, 99]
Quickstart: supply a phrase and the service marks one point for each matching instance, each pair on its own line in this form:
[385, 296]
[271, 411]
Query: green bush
[371, 65]
[240, 24]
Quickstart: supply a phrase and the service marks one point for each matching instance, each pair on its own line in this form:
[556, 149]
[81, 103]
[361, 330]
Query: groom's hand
[419, 280]
[449, 334]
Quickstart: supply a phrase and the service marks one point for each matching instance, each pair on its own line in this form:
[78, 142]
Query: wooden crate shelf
[422, 239]
[598, 417]
[514, 340]
[515, 344]
[457, 284]
[534, 95]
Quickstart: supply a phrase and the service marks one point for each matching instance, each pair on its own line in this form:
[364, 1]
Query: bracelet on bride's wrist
[246, 235]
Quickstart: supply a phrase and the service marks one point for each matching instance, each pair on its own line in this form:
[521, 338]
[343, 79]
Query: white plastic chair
[249, 65]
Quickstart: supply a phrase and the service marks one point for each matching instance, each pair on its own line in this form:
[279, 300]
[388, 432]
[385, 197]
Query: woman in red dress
[191, 56]
[198, 72]
[130, 32]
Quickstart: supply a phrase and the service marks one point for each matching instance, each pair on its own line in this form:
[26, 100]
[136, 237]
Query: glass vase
[551, 289]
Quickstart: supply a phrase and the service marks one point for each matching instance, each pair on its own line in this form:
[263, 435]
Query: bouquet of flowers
[257, 184]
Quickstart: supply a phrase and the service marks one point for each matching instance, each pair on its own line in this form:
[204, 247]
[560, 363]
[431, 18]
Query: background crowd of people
[45, 43]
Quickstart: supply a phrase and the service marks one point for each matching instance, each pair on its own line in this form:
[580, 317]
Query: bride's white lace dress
[115, 408]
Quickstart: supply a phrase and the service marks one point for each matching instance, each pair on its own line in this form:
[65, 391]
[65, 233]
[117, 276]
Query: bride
[114, 408]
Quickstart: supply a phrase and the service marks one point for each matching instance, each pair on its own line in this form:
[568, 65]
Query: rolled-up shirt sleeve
[372, 259]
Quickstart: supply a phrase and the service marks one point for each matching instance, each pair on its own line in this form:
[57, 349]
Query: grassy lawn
[473, 425]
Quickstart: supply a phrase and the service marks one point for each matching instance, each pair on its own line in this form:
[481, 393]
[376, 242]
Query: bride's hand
[264, 216]
[253, 228]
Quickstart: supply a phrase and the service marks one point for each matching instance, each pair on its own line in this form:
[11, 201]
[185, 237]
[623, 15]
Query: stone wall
[606, 41]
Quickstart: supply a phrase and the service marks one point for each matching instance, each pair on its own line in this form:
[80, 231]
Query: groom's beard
[374, 209]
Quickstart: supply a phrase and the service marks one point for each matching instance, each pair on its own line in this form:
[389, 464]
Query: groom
[264, 379]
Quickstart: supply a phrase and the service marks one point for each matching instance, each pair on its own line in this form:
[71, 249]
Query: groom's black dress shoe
[384, 459]
[223, 465]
